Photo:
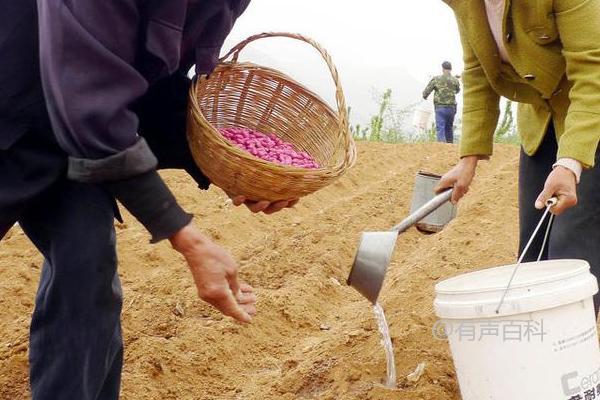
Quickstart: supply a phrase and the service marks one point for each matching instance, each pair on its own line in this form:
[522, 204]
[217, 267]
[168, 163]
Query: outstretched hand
[215, 274]
[263, 206]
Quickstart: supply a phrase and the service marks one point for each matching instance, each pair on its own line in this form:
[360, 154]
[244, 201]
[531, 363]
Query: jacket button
[529, 77]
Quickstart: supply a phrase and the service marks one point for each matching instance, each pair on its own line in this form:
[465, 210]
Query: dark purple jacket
[97, 57]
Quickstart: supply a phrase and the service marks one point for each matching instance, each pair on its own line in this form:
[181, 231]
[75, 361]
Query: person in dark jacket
[88, 113]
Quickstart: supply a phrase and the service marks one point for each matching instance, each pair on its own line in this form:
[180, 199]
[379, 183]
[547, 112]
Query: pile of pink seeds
[268, 147]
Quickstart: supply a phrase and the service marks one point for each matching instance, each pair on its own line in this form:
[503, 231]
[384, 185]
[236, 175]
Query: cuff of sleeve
[479, 157]
[580, 139]
[151, 202]
[572, 165]
[481, 150]
[135, 160]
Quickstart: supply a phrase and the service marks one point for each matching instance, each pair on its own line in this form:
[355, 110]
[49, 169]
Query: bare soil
[314, 337]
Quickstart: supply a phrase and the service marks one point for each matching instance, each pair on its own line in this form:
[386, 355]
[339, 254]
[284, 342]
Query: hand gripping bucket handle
[549, 204]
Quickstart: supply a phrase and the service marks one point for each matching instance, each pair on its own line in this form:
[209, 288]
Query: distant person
[446, 88]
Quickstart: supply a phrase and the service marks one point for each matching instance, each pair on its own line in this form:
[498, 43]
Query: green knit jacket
[554, 50]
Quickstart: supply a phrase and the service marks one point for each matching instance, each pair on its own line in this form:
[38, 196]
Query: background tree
[506, 127]
[377, 120]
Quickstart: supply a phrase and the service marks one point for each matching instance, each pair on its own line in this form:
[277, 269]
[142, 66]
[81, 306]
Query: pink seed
[268, 147]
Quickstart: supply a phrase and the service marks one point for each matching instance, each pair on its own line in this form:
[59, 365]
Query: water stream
[386, 341]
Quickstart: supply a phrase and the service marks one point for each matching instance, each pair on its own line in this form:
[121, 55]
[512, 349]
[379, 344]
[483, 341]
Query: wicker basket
[240, 94]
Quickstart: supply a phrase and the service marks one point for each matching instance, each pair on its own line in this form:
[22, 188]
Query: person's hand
[264, 206]
[561, 183]
[459, 178]
[215, 274]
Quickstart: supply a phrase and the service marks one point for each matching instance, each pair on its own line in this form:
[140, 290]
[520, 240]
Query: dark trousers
[444, 123]
[76, 349]
[574, 234]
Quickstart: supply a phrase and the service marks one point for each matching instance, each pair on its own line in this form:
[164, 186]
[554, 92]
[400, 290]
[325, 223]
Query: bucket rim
[556, 284]
[580, 267]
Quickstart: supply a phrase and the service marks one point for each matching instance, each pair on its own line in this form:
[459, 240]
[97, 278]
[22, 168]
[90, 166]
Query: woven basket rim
[291, 110]
[307, 90]
[197, 113]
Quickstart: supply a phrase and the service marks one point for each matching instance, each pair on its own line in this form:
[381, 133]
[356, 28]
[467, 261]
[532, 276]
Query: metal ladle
[375, 250]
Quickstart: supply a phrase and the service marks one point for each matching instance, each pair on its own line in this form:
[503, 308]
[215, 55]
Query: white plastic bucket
[421, 118]
[543, 344]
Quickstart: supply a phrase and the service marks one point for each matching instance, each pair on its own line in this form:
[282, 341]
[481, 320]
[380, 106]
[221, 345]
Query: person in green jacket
[545, 55]
[446, 88]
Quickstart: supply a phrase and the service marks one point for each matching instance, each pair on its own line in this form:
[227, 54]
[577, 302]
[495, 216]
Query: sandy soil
[315, 338]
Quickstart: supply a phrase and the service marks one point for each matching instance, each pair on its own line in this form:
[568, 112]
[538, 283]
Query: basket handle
[339, 93]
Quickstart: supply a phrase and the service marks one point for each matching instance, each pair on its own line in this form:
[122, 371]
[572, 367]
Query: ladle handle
[424, 211]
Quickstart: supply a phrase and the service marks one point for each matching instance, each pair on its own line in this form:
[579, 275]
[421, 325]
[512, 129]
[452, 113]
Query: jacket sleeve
[481, 106]
[577, 22]
[208, 46]
[87, 51]
[429, 88]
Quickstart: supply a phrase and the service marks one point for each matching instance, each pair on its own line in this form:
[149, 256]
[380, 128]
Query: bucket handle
[339, 93]
[549, 204]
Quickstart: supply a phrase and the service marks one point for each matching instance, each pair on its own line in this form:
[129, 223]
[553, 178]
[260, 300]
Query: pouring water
[386, 341]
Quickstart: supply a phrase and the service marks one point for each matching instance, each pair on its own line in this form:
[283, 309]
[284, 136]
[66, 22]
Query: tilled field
[314, 337]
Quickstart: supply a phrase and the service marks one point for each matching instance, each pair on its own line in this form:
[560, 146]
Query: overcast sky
[378, 44]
